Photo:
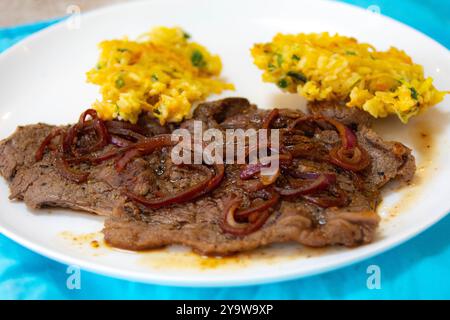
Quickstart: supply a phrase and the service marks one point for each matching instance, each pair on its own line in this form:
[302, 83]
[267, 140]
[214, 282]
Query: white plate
[43, 79]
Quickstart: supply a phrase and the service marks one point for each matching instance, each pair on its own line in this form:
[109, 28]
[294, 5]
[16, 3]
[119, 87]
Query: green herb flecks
[186, 35]
[271, 67]
[350, 53]
[197, 59]
[297, 76]
[414, 93]
[155, 77]
[120, 82]
[283, 83]
[295, 57]
[279, 59]
[122, 49]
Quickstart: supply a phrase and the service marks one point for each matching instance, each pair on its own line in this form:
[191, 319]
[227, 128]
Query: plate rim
[373, 249]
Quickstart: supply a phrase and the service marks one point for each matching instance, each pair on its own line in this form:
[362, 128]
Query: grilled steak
[40, 185]
[197, 223]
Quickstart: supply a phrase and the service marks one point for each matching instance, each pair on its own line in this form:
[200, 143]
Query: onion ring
[269, 118]
[143, 148]
[47, 141]
[194, 192]
[269, 203]
[320, 181]
[229, 224]
[327, 201]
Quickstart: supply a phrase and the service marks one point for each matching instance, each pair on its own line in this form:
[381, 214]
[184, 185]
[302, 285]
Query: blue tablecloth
[418, 269]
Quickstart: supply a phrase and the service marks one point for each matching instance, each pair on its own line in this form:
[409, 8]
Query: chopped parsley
[156, 111]
[122, 49]
[350, 53]
[414, 93]
[279, 59]
[271, 67]
[120, 82]
[197, 59]
[186, 35]
[282, 83]
[298, 76]
[155, 77]
[295, 57]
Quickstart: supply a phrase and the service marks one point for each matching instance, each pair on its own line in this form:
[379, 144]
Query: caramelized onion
[47, 141]
[320, 181]
[272, 200]
[349, 155]
[102, 138]
[269, 118]
[69, 138]
[89, 112]
[68, 153]
[327, 201]
[355, 159]
[69, 144]
[204, 187]
[143, 148]
[230, 225]
[250, 170]
[127, 157]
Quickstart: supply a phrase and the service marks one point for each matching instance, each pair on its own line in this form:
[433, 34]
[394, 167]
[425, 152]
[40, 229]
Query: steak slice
[390, 159]
[197, 223]
[40, 185]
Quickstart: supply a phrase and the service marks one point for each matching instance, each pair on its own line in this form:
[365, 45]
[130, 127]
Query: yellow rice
[324, 67]
[161, 73]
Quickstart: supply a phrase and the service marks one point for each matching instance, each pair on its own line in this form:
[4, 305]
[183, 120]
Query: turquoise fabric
[9, 36]
[418, 269]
